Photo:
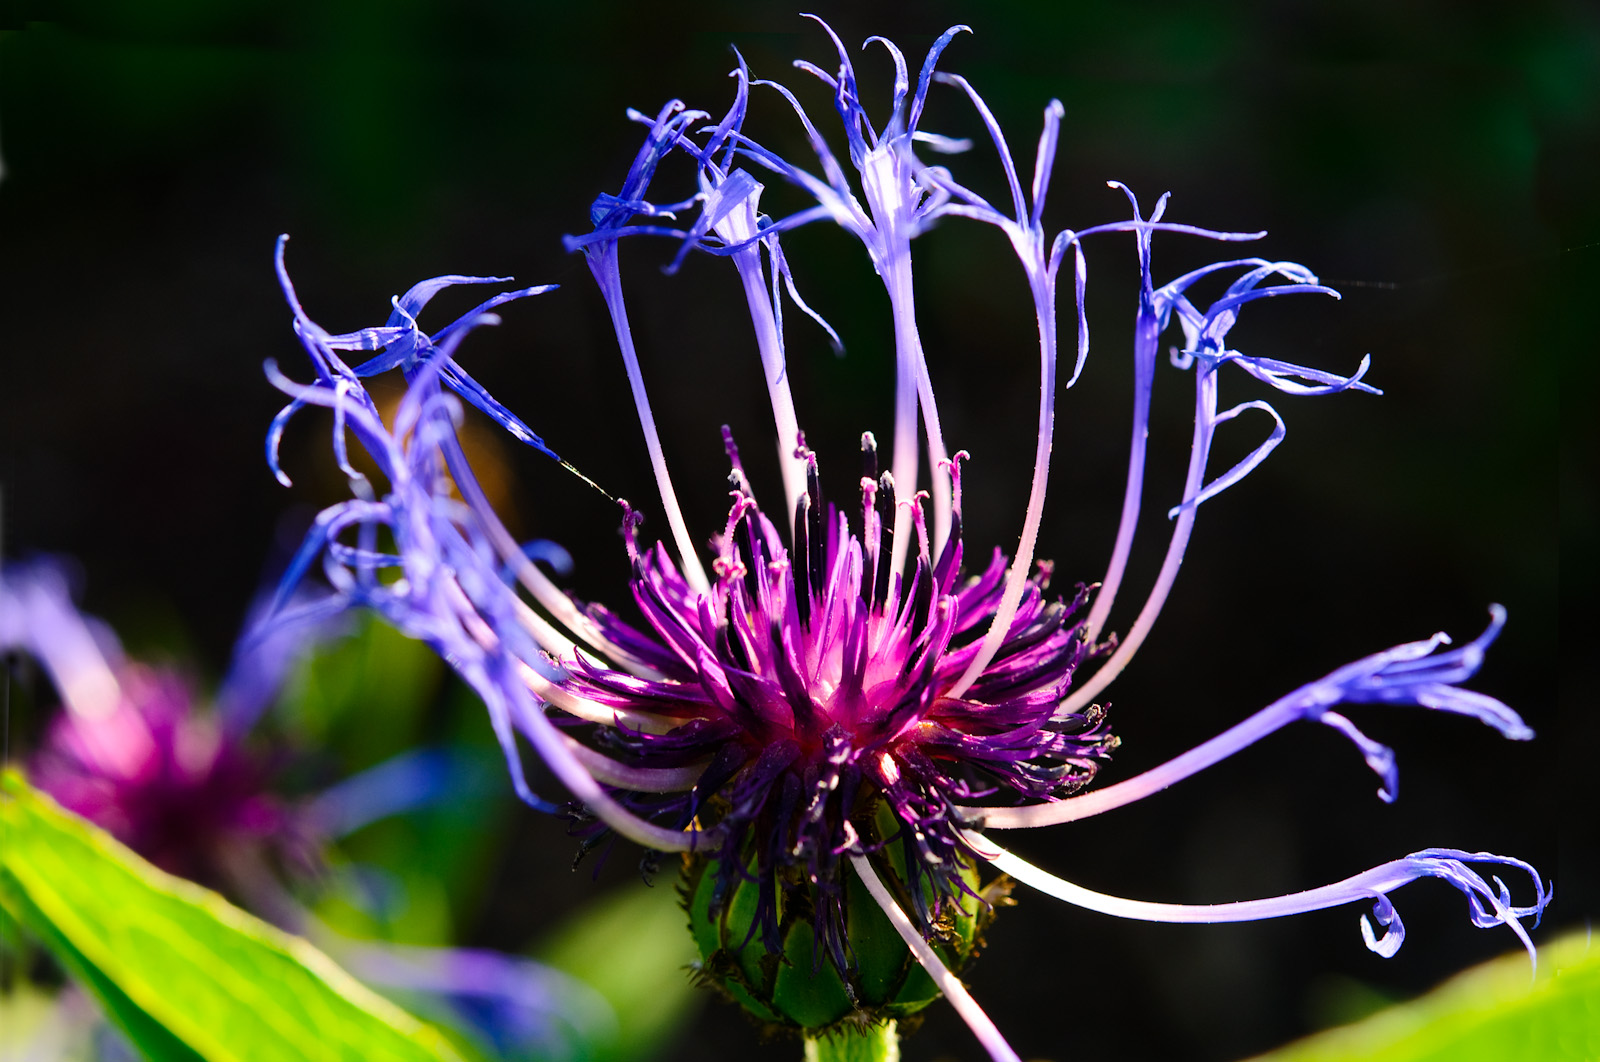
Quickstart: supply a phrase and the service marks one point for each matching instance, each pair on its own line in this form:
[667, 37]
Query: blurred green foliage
[364, 697]
[415, 878]
[182, 973]
[1492, 1013]
[420, 878]
[633, 947]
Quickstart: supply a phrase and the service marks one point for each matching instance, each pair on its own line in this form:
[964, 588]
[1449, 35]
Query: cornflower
[134, 752]
[833, 718]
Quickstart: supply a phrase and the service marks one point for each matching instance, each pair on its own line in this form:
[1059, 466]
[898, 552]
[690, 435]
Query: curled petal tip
[1394, 930]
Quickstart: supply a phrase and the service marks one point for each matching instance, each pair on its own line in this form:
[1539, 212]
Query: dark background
[1435, 165]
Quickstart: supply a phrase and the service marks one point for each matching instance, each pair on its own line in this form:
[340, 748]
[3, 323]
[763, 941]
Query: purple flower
[135, 752]
[132, 752]
[837, 687]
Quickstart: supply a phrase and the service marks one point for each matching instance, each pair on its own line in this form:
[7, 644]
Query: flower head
[832, 685]
[133, 752]
[137, 752]
[811, 683]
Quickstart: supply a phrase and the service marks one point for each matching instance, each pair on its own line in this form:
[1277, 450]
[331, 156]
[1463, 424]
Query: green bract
[803, 991]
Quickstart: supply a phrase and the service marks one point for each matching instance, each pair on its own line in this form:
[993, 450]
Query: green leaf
[181, 972]
[1495, 1013]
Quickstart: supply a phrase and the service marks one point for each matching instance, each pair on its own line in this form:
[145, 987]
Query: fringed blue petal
[311, 547]
[410, 305]
[846, 98]
[781, 268]
[1279, 375]
[944, 145]
[1245, 466]
[1394, 934]
[473, 392]
[1044, 159]
[1489, 907]
[1415, 674]
[1410, 674]
[926, 75]
[275, 430]
[1380, 758]
[902, 82]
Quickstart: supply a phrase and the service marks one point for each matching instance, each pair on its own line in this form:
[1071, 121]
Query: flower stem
[856, 1043]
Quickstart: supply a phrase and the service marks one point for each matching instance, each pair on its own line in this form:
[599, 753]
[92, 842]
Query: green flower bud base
[802, 991]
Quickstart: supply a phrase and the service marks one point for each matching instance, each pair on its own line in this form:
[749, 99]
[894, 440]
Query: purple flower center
[814, 683]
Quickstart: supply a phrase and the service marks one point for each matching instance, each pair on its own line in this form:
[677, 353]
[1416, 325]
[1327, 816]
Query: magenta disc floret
[814, 684]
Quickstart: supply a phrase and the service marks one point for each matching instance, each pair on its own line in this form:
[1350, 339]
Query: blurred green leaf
[376, 672]
[634, 948]
[388, 901]
[1494, 1013]
[181, 972]
[439, 857]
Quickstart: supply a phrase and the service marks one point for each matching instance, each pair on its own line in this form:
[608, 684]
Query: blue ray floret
[404, 346]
